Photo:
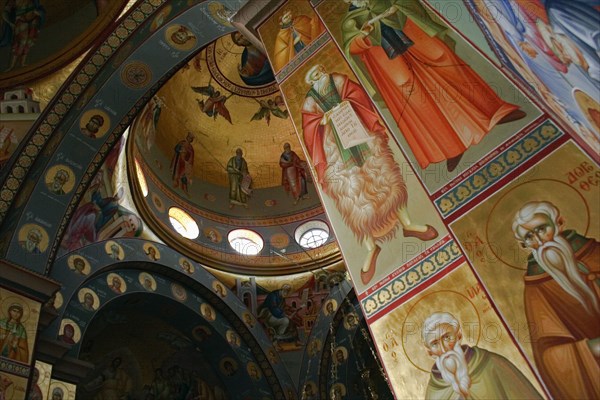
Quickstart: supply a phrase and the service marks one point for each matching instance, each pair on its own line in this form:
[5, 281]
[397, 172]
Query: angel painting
[214, 105]
[270, 107]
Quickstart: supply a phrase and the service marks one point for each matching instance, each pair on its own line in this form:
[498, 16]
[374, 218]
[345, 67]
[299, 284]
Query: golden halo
[145, 275]
[102, 130]
[228, 359]
[589, 107]
[71, 263]
[147, 247]
[81, 296]
[8, 301]
[58, 300]
[187, 45]
[218, 12]
[450, 301]
[181, 260]
[208, 312]
[76, 335]
[57, 384]
[217, 235]
[178, 292]
[109, 244]
[112, 275]
[69, 184]
[498, 231]
[43, 245]
[335, 306]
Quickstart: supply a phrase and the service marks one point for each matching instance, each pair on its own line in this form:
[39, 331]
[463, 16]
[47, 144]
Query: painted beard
[557, 258]
[322, 84]
[453, 367]
[360, 3]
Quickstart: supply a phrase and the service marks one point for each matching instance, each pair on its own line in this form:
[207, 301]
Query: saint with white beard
[464, 372]
[364, 180]
[562, 300]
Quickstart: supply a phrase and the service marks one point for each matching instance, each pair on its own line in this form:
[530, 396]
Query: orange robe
[440, 104]
[560, 326]
[307, 28]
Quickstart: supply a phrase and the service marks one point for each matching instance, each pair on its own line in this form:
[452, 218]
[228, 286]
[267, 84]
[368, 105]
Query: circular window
[183, 223]
[245, 242]
[141, 178]
[312, 234]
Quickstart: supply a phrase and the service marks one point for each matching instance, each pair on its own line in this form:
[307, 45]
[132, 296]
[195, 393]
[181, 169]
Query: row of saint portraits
[391, 44]
[42, 385]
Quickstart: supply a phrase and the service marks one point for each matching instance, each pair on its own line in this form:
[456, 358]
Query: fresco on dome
[448, 342]
[18, 327]
[445, 103]
[353, 157]
[535, 245]
[39, 37]
[100, 215]
[289, 31]
[549, 45]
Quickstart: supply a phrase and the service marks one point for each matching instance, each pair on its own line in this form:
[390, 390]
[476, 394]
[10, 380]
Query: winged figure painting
[214, 105]
[270, 107]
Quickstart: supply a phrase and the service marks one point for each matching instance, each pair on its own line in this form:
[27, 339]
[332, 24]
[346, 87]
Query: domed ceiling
[222, 100]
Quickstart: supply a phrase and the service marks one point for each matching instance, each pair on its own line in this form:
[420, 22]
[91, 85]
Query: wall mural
[37, 38]
[547, 45]
[405, 49]
[100, 216]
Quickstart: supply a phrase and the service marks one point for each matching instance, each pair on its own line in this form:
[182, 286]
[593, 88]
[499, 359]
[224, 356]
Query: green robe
[492, 377]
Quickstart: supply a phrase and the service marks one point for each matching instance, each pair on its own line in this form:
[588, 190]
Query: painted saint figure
[293, 174]
[254, 68]
[237, 171]
[562, 300]
[61, 177]
[294, 34]
[440, 104]
[21, 22]
[13, 336]
[182, 163]
[365, 168]
[466, 372]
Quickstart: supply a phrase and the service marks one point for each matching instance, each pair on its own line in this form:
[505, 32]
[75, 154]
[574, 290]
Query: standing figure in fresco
[183, 162]
[364, 180]
[562, 300]
[13, 336]
[254, 68]
[294, 34]
[440, 104]
[237, 171]
[20, 23]
[100, 219]
[293, 174]
[466, 372]
[35, 393]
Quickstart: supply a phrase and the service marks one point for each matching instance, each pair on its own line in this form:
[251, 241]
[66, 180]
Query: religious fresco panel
[446, 104]
[40, 381]
[549, 47]
[18, 328]
[457, 312]
[391, 219]
[535, 246]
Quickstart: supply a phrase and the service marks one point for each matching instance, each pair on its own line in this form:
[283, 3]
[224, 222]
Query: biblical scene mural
[38, 37]
[228, 88]
[446, 104]
[448, 341]
[13, 386]
[289, 31]
[550, 46]
[101, 215]
[535, 246]
[353, 156]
